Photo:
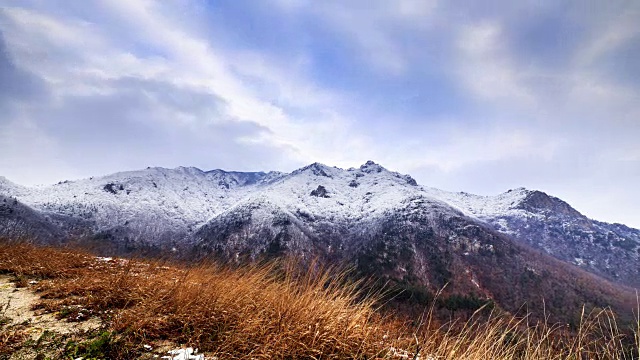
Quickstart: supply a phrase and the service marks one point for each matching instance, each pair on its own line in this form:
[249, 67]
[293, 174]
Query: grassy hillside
[262, 312]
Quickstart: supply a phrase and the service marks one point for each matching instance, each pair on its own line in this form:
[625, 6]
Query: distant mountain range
[515, 247]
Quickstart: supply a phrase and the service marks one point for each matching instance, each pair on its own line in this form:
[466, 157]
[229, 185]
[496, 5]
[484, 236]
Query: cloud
[474, 97]
[371, 28]
[15, 83]
[192, 100]
[485, 67]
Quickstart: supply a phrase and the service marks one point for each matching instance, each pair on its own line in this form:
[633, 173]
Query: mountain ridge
[316, 204]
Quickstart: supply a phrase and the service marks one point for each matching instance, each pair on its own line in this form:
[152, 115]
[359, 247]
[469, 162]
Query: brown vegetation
[272, 311]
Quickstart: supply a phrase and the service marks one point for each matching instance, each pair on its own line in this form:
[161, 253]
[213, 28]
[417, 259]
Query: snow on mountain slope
[145, 204]
[386, 227]
[192, 196]
[161, 206]
[189, 196]
[158, 202]
[550, 224]
[381, 222]
[333, 193]
[483, 207]
[320, 203]
[18, 221]
[7, 187]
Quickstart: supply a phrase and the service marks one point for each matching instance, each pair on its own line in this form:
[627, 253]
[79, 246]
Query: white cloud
[373, 28]
[608, 36]
[148, 82]
[198, 64]
[192, 63]
[32, 155]
[485, 67]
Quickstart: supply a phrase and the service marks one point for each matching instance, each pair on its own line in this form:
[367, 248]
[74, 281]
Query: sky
[464, 96]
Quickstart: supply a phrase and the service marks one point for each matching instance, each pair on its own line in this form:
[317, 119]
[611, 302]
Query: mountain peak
[519, 190]
[371, 167]
[316, 168]
[536, 201]
[7, 186]
[189, 169]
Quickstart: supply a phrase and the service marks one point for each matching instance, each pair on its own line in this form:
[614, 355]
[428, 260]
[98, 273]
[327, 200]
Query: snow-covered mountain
[381, 222]
[154, 206]
[553, 226]
[21, 222]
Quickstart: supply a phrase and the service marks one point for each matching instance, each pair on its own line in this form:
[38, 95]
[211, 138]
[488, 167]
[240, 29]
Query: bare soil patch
[17, 309]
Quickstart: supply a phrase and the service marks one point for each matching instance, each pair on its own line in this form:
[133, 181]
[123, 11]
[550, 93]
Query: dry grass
[272, 311]
[10, 341]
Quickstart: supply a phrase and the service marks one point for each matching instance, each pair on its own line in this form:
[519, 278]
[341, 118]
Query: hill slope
[550, 224]
[112, 308]
[380, 221]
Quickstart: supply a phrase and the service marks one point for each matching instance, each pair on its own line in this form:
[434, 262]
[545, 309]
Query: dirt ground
[17, 310]
[42, 335]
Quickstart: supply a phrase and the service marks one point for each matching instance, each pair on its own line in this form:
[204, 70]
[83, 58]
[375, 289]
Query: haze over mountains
[382, 222]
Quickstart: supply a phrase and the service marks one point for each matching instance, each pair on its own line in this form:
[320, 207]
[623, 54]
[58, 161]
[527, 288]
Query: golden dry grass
[274, 312]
